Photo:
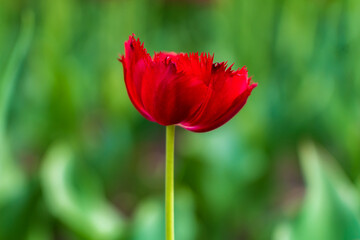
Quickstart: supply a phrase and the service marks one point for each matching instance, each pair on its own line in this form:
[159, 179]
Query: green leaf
[11, 178]
[13, 68]
[331, 207]
[75, 197]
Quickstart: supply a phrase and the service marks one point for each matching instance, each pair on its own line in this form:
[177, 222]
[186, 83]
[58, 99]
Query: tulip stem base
[169, 183]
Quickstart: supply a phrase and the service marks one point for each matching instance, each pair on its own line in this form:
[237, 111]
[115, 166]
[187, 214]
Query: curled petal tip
[253, 85]
[121, 58]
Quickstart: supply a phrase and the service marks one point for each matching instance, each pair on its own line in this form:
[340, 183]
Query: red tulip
[188, 90]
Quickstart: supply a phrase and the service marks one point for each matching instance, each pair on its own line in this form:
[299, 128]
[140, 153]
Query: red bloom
[183, 89]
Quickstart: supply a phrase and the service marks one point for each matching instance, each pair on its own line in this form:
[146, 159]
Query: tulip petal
[135, 62]
[170, 96]
[195, 66]
[212, 124]
[228, 92]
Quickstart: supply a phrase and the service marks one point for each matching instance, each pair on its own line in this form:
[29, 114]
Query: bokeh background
[77, 161]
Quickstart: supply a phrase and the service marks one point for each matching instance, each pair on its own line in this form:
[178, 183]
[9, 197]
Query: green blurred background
[77, 161]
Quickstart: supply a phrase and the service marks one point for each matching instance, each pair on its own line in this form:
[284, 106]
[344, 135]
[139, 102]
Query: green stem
[169, 183]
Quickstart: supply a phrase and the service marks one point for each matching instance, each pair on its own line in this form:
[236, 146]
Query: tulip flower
[186, 90]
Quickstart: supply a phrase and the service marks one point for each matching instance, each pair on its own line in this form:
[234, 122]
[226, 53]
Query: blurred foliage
[331, 206]
[77, 161]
